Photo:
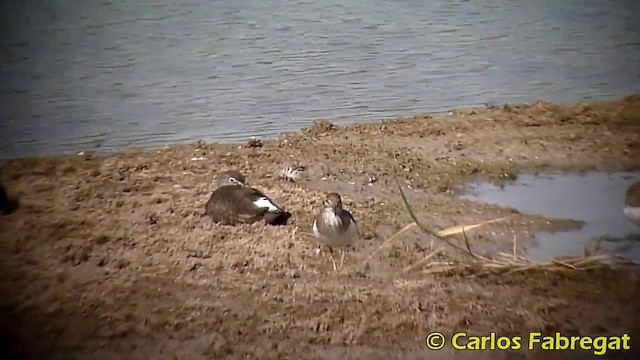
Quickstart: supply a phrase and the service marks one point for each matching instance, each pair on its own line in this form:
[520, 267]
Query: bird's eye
[235, 181]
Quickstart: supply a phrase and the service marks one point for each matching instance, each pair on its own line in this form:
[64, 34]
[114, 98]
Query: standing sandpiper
[335, 226]
[632, 203]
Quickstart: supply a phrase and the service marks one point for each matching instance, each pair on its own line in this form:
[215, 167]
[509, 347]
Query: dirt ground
[109, 256]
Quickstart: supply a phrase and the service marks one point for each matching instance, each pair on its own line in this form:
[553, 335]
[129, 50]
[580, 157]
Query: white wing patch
[264, 202]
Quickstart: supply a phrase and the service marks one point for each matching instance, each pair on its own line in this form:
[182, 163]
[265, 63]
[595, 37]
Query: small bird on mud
[334, 226]
[291, 173]
[235, 202]
[632, 203]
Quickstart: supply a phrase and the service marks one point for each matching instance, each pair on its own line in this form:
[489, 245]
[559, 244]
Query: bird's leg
[342, 259]
[333, 259]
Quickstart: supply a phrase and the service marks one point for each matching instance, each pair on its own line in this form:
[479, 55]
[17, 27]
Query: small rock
[101, 239]
[152, 219]
[102, 262]
[122, 263]
[369, 180]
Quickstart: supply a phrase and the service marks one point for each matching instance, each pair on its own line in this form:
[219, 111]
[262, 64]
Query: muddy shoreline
[109, 255]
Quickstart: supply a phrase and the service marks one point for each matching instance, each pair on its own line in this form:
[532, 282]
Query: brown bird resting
[234, 202]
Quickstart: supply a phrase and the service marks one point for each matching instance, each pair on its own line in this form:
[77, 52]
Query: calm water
[86, 74]
[595, 198]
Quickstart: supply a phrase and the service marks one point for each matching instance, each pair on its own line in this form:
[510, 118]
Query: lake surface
[595, 198]
[77, 75]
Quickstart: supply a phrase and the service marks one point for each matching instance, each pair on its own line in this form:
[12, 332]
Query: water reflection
[152, 73]
[595, 198]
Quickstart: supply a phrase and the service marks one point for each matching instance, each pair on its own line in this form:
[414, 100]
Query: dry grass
[503, 263]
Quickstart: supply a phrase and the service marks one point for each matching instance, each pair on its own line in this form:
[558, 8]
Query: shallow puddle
[595, 198]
